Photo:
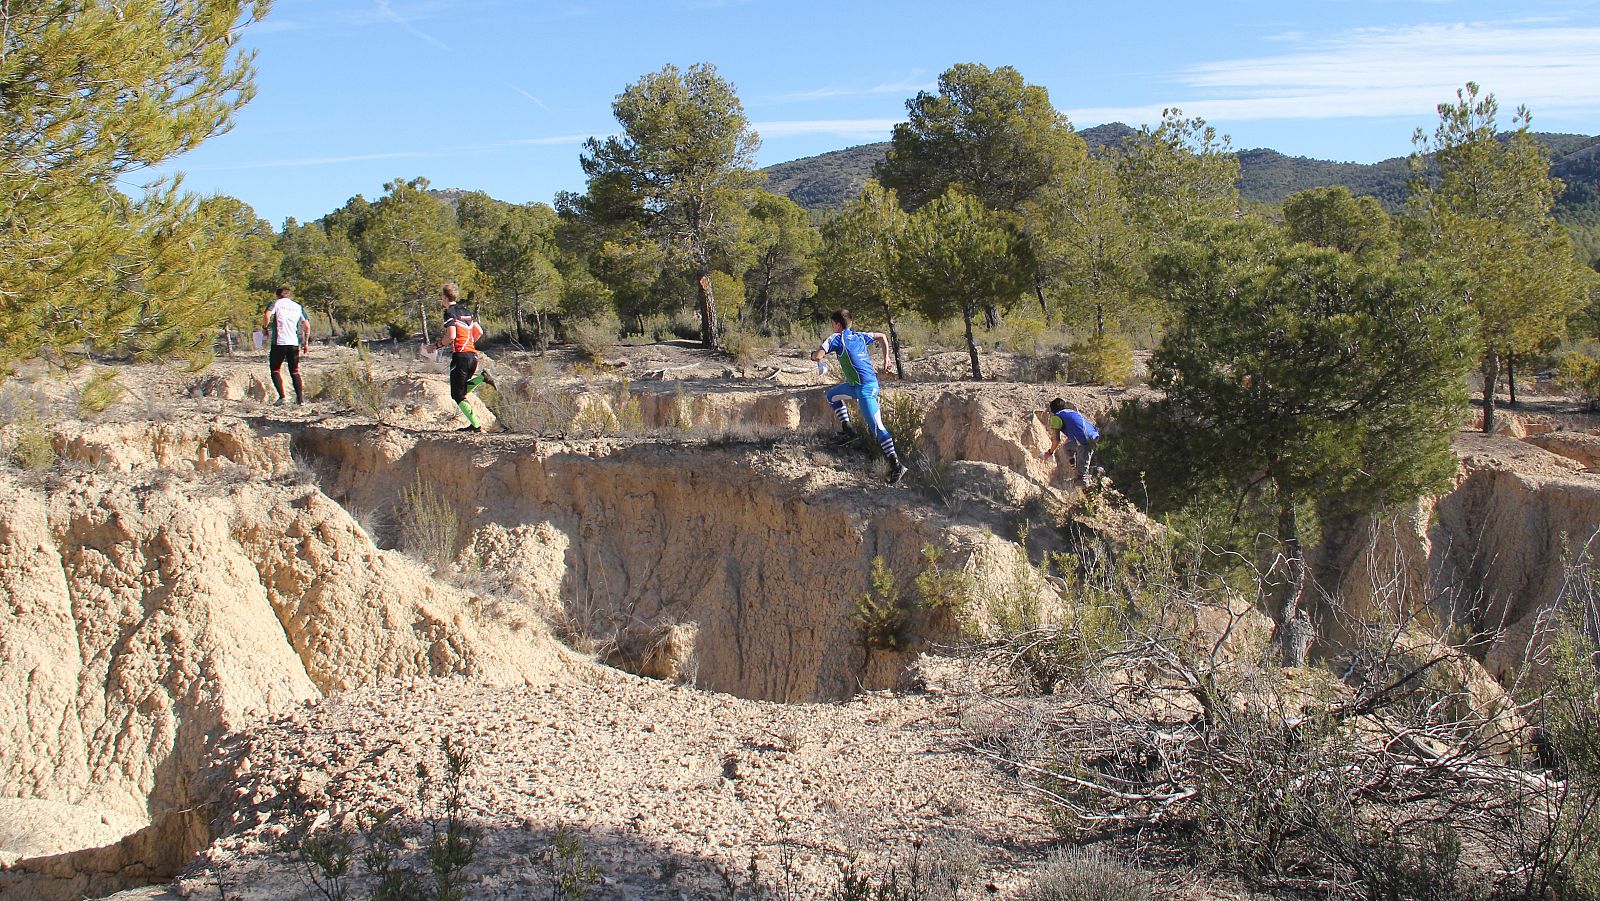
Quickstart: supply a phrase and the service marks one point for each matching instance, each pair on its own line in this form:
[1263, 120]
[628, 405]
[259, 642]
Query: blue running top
[1075, 426]
[851, 346]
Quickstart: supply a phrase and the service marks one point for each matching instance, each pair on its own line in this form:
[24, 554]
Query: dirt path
[665, 787]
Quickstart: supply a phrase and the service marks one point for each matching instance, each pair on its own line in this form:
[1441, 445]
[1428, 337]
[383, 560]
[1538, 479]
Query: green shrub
[33, 449]
[1579, 376]
[878, 614]
[430, 526]
[351, 387]
[566, 867]
[1101, 360]
[942, 590]
[903, 418]
[452, 842]
[615, 414]
[99, 393]
[1567, 864]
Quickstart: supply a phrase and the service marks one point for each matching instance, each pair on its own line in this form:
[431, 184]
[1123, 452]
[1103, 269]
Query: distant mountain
[1265, 175]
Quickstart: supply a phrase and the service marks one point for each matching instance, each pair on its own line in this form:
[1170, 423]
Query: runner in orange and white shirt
[461, 334]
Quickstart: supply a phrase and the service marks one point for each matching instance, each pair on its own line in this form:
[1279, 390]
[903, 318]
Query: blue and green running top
[851, 346]
[1075, 426]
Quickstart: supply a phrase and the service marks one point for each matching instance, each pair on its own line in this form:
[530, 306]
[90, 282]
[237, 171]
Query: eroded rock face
[1492, 554]
[1505, 540]
[1582, 448]
[764, 552]
[147, 607]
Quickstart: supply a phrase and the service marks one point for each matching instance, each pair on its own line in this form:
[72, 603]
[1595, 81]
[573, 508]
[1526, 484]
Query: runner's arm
[883, 340]
[305, 334]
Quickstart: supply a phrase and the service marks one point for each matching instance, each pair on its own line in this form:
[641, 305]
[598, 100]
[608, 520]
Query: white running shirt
[287, 314]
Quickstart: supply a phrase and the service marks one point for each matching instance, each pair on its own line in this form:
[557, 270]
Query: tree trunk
[991, 316]
[227, 335]
[541, 332]
[1294, 625]
[1491, 375]
[1511, 379]
[516, 317]
[1099, 320]
[894, 345]
[972, 344]
[333, 325]
[423, 306]
[1038, 291]
[710, 330]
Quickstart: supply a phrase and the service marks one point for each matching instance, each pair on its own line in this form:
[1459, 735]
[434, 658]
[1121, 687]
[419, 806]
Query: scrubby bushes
[351, 387]
[430, 526]
[1160, 711]
[532, 406]
[381, 842]
[99, 393]
[1080, 874]
[31, 447]
[878, 614]
[593, 336]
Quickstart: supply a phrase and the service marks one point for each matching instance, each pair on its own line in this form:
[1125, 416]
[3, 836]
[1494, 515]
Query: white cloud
[536, 100]
[1382, 72]
[850, 128]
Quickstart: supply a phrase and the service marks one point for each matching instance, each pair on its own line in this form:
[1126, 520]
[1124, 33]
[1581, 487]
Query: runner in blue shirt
[860, 382]
[1081, 437]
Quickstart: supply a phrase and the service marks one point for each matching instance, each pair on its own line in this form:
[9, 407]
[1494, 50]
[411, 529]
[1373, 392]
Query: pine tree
[858, 263]
[680, 175]
[415, 245]
[1297, 377]
[959, 258]
[1488, 215]
[93, 92]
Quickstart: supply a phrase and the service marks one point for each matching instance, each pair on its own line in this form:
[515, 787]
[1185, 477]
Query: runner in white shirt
[290, 330]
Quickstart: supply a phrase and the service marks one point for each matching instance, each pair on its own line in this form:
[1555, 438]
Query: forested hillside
[1265, 175]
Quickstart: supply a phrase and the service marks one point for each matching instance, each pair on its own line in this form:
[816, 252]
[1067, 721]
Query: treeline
[988, 212]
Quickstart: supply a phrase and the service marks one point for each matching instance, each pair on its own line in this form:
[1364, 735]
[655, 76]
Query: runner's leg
[293, 356]
[275, 360]
[873, 414]
[836, 398]
[462, 366]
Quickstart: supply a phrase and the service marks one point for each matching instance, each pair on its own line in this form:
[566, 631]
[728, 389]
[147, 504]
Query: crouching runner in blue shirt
[1081, 437]
[861, 383]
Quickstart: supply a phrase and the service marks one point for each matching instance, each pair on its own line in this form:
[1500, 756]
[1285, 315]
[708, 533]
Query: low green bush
[1579, 376]
[878, 614]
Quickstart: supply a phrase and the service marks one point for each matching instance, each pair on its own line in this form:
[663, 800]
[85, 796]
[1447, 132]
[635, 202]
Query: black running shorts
[284, 353]
[462, 367]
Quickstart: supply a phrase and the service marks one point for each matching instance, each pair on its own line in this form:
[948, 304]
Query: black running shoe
[470, 428]
[897, 471]
[488, 379]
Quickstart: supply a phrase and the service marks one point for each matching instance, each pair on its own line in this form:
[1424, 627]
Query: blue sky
[497, 95]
